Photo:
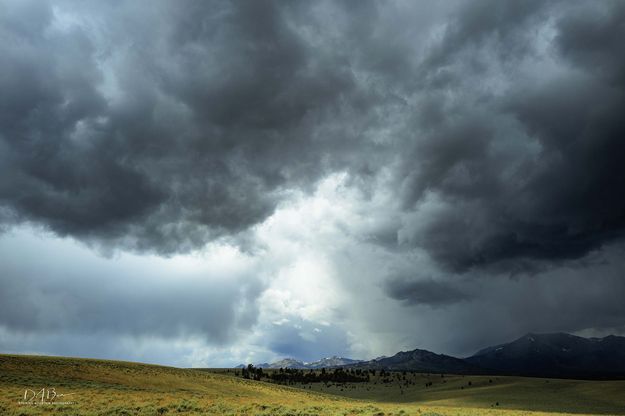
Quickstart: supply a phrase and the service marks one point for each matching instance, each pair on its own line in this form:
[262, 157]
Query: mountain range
[555, 355]
[419, 360]
[540, 355]
[329, 362]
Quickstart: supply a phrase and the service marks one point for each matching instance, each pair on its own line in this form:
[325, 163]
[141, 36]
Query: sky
[208, 183]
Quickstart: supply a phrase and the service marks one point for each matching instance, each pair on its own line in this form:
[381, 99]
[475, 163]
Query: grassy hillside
[97, 387]
[522, 393]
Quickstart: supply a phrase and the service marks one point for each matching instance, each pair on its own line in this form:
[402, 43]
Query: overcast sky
[205, 183]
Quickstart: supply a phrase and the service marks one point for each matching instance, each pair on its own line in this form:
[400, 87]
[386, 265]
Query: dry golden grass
[100, 387]
[520, 393]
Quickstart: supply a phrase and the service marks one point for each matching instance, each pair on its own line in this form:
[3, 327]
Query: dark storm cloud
[590, 37]
[485, 136]
[482, 21]
[162, 129]
[565, 299]
[424, 292]
[532, 170]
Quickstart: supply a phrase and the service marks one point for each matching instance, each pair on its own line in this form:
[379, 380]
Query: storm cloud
[525, 166]
[433, 156]
[424, 291]
[163, 130]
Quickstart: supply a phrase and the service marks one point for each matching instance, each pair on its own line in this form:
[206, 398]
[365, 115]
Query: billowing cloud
[386, 174]
[517, 158]
[164, 130]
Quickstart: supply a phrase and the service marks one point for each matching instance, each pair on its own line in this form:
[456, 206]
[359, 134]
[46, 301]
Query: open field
[521, 393]
[98, 387]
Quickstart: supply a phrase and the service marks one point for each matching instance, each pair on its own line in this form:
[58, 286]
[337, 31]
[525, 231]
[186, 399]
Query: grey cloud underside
[424, 292]
[215, 109]
[103, 298]
[163, 129]
[480, 139]
[531, 171]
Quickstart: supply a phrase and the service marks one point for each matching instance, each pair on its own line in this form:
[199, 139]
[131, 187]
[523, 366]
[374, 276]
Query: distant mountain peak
[535, 354]
[555, 355]
[419, 360]
[327, 362]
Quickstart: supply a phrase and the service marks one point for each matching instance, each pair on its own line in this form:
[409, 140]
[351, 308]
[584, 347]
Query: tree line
[294, 375]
